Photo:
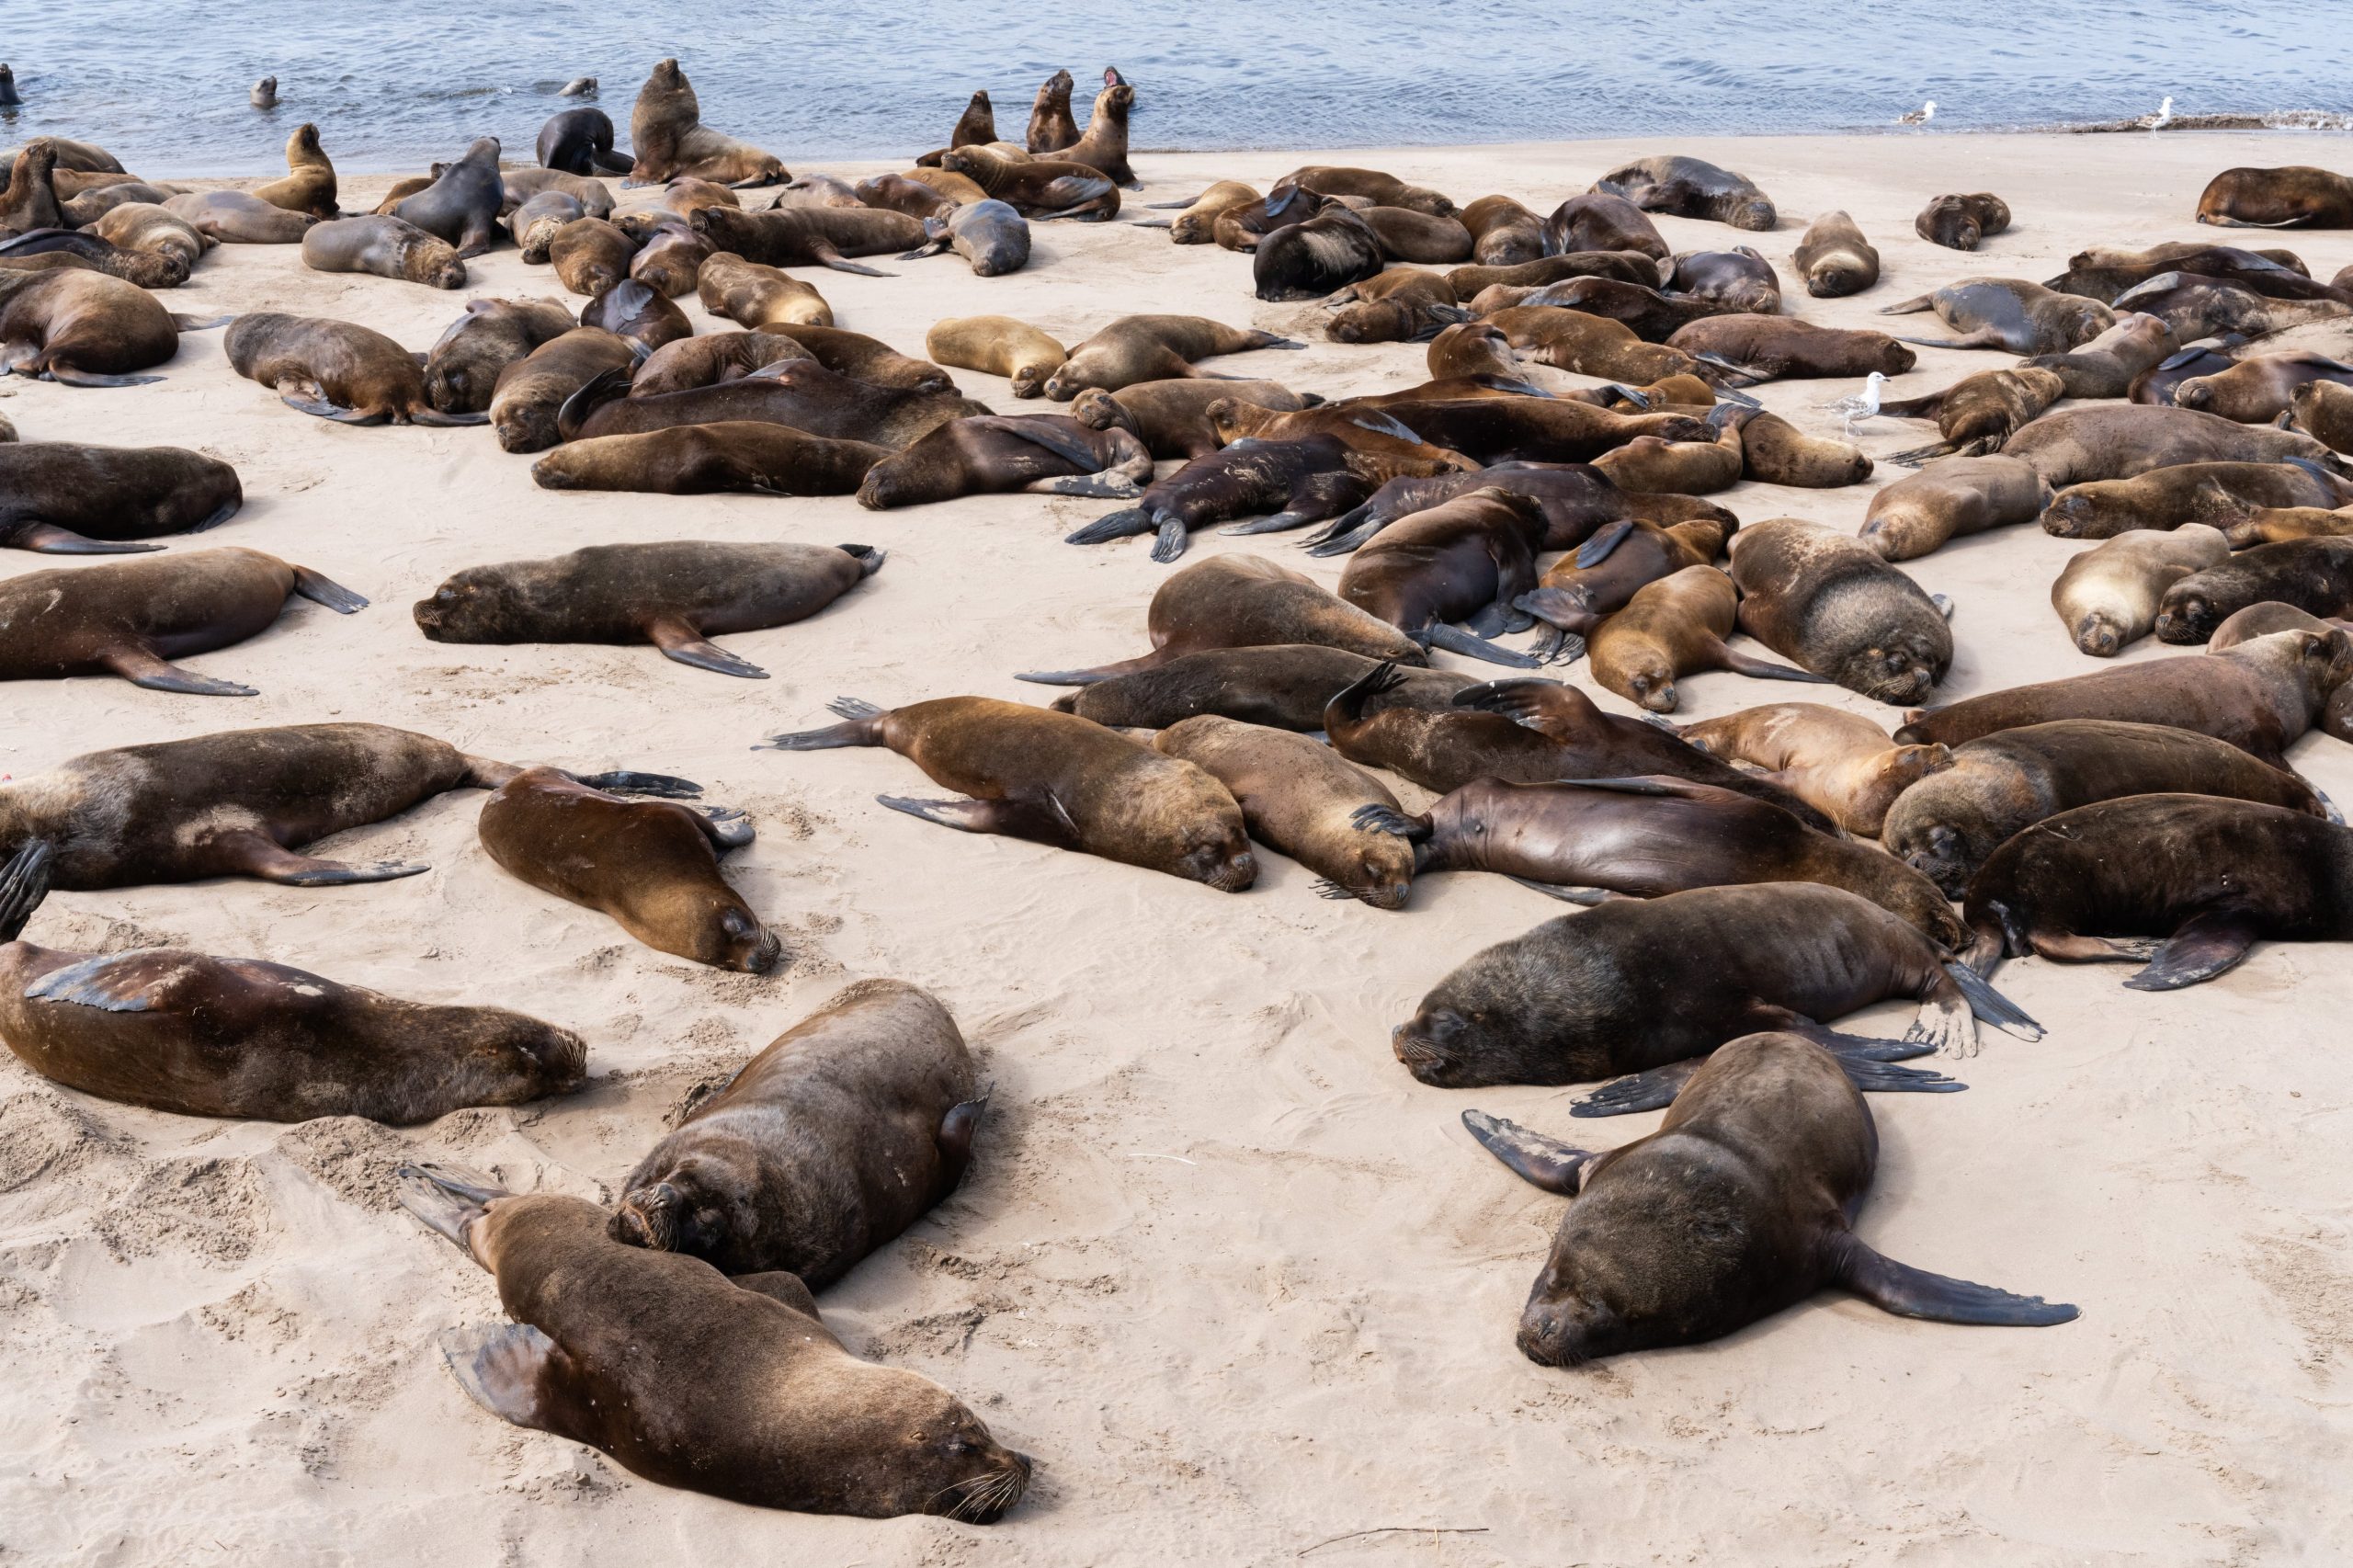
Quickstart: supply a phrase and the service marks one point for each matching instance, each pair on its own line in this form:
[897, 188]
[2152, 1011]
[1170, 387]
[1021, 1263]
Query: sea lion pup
[590, 255]
[996, 346]
[1618, 561]
[2260, 695]
[1670, 629]
[1152, 349]
[132, 618]
[1379, 189]
[463, 202]
[579, 141]
[2295, 196]
[1653, 464]
[2260, 388]
[757, 297]
[1043, 188]
[461, 370]
[1502, 233]
[1688, 187]
[386, 247]
[734, 1387]
[1055, 778]
[1282, 483]
[1104, 147]
[1589, 345]
[1763, 346]
[1404, 304]
[1959, 222]
[1835, 259]
[1742, 1204]
[701, 460]
[1949, 499]
[61, 498]
[1051, 129]
[236, 803]
[666, 129]
[1300, 797]
[335, 369]
[2107, 597]
[1464, 559]
[2326, 411]
[1310, 259]
[1171, 417]
[802, 394]
[528, 400]
[652, 864]
[989, 234]
[2008, 313]
[1840, 763]
[201, 1036]
[234, 218]
[806, 236]
[993, 454]
[1638, 984]
[676, 595]
[1777, 452]
[2107, 365]
[1828, 601]
[86, 329]
[639, 312]
[1195, 223]
[1602, 220]
[711, 358]
[2314, 574]
[2072, 446]
[850, 1127]
[1284, 686]
[1979, 414]
[2223, 495]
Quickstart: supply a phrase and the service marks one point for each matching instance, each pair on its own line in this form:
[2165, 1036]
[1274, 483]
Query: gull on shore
[2163, 118]
[1856, 407]
[1921, 116]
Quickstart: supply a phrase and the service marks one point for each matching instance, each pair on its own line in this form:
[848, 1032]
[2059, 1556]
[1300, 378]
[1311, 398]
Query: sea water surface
[395, 83]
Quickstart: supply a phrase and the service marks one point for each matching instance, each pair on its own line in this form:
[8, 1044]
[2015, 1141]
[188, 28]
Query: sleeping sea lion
[2070, 446]
[1043, 188]
[84, 329]
[1828, 602]
[999, 346]
[2221, 494]
[1840, 763]
[386, 247]
[62, 498]
[1979, 414]
[2313, 575]
[1622, 557]
[1834, 257]
[590, 255]
[1763, 347]
[1502, 233]
[2009, 314]
[2107, 365]
[526, 399]
[728, 455]
[1152, 349]
[2261, 387]
[1688, 188]
[2298, 196]
[1195, 223]
[807, 236]
[1670, 629]
[802, 394]
[1171, 417]
[2326, 411]
[1284, 686]
[335, 369]
[2107, 597]
[462, 369]
[1949, 499]
[993, 454]
[1959, 222]
[235, 218]
[1298, 796]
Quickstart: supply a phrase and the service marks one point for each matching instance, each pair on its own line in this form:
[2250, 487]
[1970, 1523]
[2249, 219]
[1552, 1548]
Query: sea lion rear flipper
[1124, 524]
[24, 882]
[1557, 645]
[1378, 818]
[1915, 457]
[1487, 622]
[603, 387]
[190, 324]
[1537, 1160]
[500, 1366]
[445, 1198]
[66, 375]
[1912, 1292]
[1654, 1090]
[688, 646]
[1911, 307]
[1545, 706]
[2206, 945]
[829, 256]
[434, 416]
[142, 667]
[955, 1136]
[1043, 822]
[257, 855]
[1991, 1007]
[319, 408]
[627, 781]
[320, 590]
[1455, 640]
[1742, 664]
[1153, 223]
[1595, 549]
[1584, 897]
[727, 827]
[48, 538]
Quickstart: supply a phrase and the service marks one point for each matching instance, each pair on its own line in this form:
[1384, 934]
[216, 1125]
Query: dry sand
[1237, 1281]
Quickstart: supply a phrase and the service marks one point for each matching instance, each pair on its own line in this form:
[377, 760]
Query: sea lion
[2107, 365]
[8, 96]
[2260, 695]
[1464, 559]
[1379, 189]
[1195, 223]
[977, 124]
[1774, 451]
[1310, 259]
[666, 129]
[1834, 258]
[1589, 345]
[1152, 349]
[386, 247]
[1417, 237]
[989, 234]
[2197, 307]
[1654, 316]
[234, 217]
[595, 198]
[1840, 763]
[2298, 196]
[1616, 562]
[1577, 502]
[1056, 778]
[1959, 222]
[847, 1128]
[2314, 574]
[805, 190]
[1043, 188]
[579, 141]
[1300, 797]
[2326, 411]
[132, 618]
[2071, 445]
[61, 498]
[1403, 304]
[2260, 388]
[1474, 348]
[1602, 220]
[672, 260]
[807, 236]
[84, 329]
[2107, 597]
[201, 1036]
[527, 400]
[2269, 525]
[682, 1376]
[652, 864]
[2185, 883]
[1494, 430]
[1280, 484]
[1502, 233]
[1284, 686]
[80, 249]
[996, 346]
[461, 370]
[2008, 313]
[1978, 413]
[701, 460]
[1637, 984]
[309, 186]
[1742, 1204]
[1687, 187]
[1828, 602]
[151, 228]
[2103, 272]
[590, 256]
[2219, 494]
[335, 369]
[993, 454]
[1051, 129]
[638, 313]
[1670, 629]
[1655, 464]
[29, 199]
[1104, 147]
[91, 205]
[802, 394]
[1739, 279]
[757, 297]
[1949, 499]
[676, 595]
[897, 193]
[264, 93]
[1626, 265]
[953, 187]
[1171, 417]
[1784, 346]
[463, 202]
[2263, 620]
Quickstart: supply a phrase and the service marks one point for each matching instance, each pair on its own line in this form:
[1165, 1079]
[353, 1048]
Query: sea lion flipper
[1742, 664]
[1885, 1078]
[66, 375]
[270, 862]
[501, 1365]
[688, 646]
[1124, 524]
[955, 1137]
[434, 416]
[1537, 1160]
[1912, 1292]
[142, 666]
[1991, 1007]
[1586, 897]
[48, 538]
[1544, 706]
[190, 324]
[856, 729]
[1378, 818]
[1455, 640]
[444, 1198]
[24, 882]
[1043, 822]
[319, 408]
[2206, 945]
[1174, 536]
[1595, 549]
[628, 781]
[1654, 1090]
[321, 590]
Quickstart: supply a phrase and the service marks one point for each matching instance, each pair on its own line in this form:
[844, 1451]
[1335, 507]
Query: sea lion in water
[1043, 188]
[1843, 764]
[667, 132]
[62, 498]
[132, 618]
[1670, 629]
[701, 460]
[2008, 313]
[1051, 129]
[201, 1036]
[676, 595]
[234, 805]
[234, 217]
[2185, 883]
[461, 370]
[2107, 597]
[1949, 499]
[309, 186]
[463, 202]
[84, 329]
[1829, 601]
[992, 454]
[2314, 574]
[2298, 196]
[1959, 222]
[1284, 686]
[1055, 778]
[1742, 1204]
[1152, 349]
[734, 1387]
[997, 345]
[2260, 388]
[1978, 413]
[2070, 446]
[652, 864]
[579, 141]
[335, 369]
[753, 296]
[2219, 494]
[1171, 417]
[1502, 233]
[1637, 984]
[527, 400]
[386, 247]
[1834, 258]
[1297, 795]
[1784, 346]
[1688, 187]
[847, 1128]
[810, 236]
[1999, 785]
[2325, 410]
[2107, 365]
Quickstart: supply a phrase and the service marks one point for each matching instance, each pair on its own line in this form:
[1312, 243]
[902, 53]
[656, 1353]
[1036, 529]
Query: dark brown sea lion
[1618, 561]
[386, 247]
[828, 1144]
[757, 296]
[579, 141]
[2313, 575]
[672, 260]
[1152, 349]
[1403, 304]
[1043, 188]
[463, 202]
[1978, 413]
[1380, 188]
[999, 346]
[2008, 313]
[977, 124]
[1626, 265]
[1672, 628]
[1502, 233]
[87, 250]
[1576, 499]
[2296, 196]
[897, 193]
[1284, 484]
[1285, 685]
[1300, 797]
[2107, 365]
[676, 595]
[1834, 258]
[132, 618]
[335, 369]
[1499, 430]
[2260, 388]
[29, 199]
[799, 392]
[590, 255]
[2325, 410]
[1104, 147]
[734, 1387]
[61, 498]
[462, 369]
[993, 454]
[1051, 129]
[1742, 1204]
[1590, 345]
[1171, 417]
[2071, 445]
[2103, 272]
[2108, 595]
[232, 217]
[1056, 778]
[1688, 187]
[667, 132]
[1654, 317]
[2262, 621]
[1949, 499]
[1840, 763]
[806, 236]
[1784, 345]
[2196, 307]
[1828, 602]
[84, 329]
[701, 460]
[1310, 259]
[1739, 279]
[1417, 237]
[1464, 559]
[525, 401]
[2260, 695]
[1959, 222]
[2218, 494]
[149, 229]
[1196, 221]
[652, 864]
[202, 1036]
[2185, 883]
[638, 313]
[1601, 220]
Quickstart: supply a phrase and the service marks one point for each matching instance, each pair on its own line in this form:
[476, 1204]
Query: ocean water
[395, 83]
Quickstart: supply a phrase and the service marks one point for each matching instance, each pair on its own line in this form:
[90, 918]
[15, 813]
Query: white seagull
[1920, 116]
[1856, 407]
[2163, 116]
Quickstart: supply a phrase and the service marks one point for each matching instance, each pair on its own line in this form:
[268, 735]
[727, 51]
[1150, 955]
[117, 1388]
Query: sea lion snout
[1561, 1331]
[2100, 636]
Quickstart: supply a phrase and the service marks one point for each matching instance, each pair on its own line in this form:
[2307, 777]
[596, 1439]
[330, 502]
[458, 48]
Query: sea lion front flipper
[143, 667]
[435, 417]
[1537, 1160]
[1910, 1293]
[1654, 1090]
[1378, 818]
[48, 538]
[1042, 822]
[24, 882]
[1596, 551]
[1454, 639]
[1991, 1007]
[320, 590]
[319, 408]
[2206, 945]
[1742, 664]
[629, 782]
[727, 827]
[955, 1137]
[500, 1366]
[257, 855]
[688, 646]
[445, 1198]
[1172, 538]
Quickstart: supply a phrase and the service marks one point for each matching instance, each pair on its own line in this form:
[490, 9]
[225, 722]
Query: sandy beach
[1244, 1289]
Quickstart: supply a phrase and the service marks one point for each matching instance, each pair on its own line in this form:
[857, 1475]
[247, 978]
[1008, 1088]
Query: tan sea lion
[1841, 763]
[2261, 387]
[1670, 629]
[712, 358]
[386, 247]
[1828, 602]
[1404, 304]
[309, 186]
[1195, 221]
[2109, 363]
[1834, 258]
[527, 400]
[2263, 620]
[1762, 346]
[2269, 525]
[1502, 233]
[2298, 196]
[667, 132]
[754, 296]
[2071, 445]
[2107, 597]
[2008, 313]
[590, 256]
[1043, 188]
[30, 199]
[804, 393]
[146, 227]
[1051, 129]
[335, 369]
[700, 460]
[1949, 499]
[1298, 796]
[1589, 345]
[2325, 410]
[86, 250]
[1171, 417]
[1774, 451]
[2221, 494]
[1380, 188]
[232, 217]
[1104, 147]
[61, 498]
[1152, 349]
[997, 345]
[1979, 414]
[864, 358]
[671, 261]
[1657, 465]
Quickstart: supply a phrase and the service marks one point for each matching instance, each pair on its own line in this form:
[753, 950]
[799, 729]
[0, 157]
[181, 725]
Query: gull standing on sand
[1859, 406]
[1921, 116]
[2163, 116]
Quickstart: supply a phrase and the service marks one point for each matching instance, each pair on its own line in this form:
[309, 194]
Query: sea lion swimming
[62, 498]
[729, 455]
[335, 369]
[1055, 778]
[1742, 1204]
[1152, 349]
[2107, 597]
[1284, 686]
[2219, 494]
[1688, 188]
[579, 141]
[462, 369]
[386, 247]
[1959, 222]
[1951, 498]
[2298, 196]
[1840, 763]
[676, 595]
[2008, 313]
[734, 1387]
[667, 132]
[1831, 604]
[1670, 629]
[1834, 258]
[2313, 575]
[1298, 796]
[997, 345]
[201, 1036]
[846, 1129]
[992, 454]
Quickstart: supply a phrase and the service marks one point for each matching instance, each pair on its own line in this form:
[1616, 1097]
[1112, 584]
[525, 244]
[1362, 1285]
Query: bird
[2163, 116]
[1856, 407]
[1921, 116]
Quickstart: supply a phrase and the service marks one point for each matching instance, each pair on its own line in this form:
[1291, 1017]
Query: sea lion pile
[1564, 471]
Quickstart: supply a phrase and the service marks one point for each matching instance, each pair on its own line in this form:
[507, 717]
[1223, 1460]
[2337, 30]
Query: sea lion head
[1756, 213]
[700, 1207]
[1488, 1022]
[1099, 410]
[2196, 393]
[305, 139]
[910, 1446]
[432, 261]
[1901, 668]
[666, 77]
[474, 606]
[1648, 675]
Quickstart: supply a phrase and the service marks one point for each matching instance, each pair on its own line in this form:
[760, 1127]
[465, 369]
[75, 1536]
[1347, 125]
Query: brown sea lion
[61, 498]
[2107, 365]
[84, 329]
[1044, 188]
[1380, 188]
[579, 141]
[667, 132]
[1196, 221]
[152, 230]
[2325, 410]
[2071, 445]
[1774, 451]
[30, 199]
[1840, 763]
[1495, 429]
[672, 260]
[2105, 271]
[462, 369]
[1051, 129]
[1056, 778]
[1949, 499]
[734, 1387]
[1298, 796]
[1152, 349]
[590, 256]
[1739, 279]
[639, 312]
[977, 124]
[2107, 597]
[802, 394]
[1654, 316]
[86, 250]
[2196, 307]
[1310, 259]
[702, 460]
[1828, 601]
[1653, 463]
[1589, 345]
[864, 358]
[897, 193]
[1474, 348]
[989, 234]
[1502, 233]
[806, 190]
[463, 202]
[993, 454]
[1104, 147]
[2261, 387]
[1784, 345]
[1464, 559]
[1626, 265]
[958, 188]
[997, 345]
[1577, 502]
[1979, 414]
[1670, 629]
[806, 236]
[1834, 258]
[652, 864]
[234, 218]
[595, 198]
[2269, 525]
[525, 401]
[386, 248]
[1742, 1204]
[1688, 188]
[2314, 574]
[1601, 220]
[1404, 304]
[1171, 417]
[1406, 235]
[1621, 558]
[2008, 313]
[2296, 196]
[1959, 222]
[1284, 685]
[756, 297]
[335, 369]
[2219, 494]
[2263, 620]
[201, 1036]
[309, 186]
